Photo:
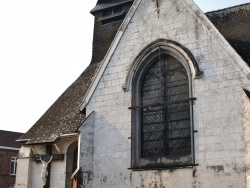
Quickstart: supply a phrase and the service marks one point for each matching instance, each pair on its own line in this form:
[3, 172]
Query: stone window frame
[143, 62]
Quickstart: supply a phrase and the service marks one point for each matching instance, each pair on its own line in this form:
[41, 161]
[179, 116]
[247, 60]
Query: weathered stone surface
[219, 142]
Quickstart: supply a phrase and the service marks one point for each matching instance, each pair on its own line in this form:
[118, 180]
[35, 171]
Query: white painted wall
[219, 143]
[23, 172]
[33, 175]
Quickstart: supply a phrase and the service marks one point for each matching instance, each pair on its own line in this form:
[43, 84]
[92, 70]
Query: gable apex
[200, 17]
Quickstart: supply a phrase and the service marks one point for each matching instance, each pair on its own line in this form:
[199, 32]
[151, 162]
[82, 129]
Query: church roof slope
[63, 117]
[8, 139]
[234, 24]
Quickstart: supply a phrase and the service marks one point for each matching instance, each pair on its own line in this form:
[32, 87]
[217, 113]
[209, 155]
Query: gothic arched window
[162, 133]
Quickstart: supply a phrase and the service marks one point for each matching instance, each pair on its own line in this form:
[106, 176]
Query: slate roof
[234, 24]
[63, 117]
[8, 139]
[104, 4]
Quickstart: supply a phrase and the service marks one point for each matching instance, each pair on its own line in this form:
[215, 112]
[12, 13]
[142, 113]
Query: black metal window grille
[165, 110]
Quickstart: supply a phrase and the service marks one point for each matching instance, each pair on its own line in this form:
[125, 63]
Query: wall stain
[142, 182]
[131, 177]
[194, 174]
[218, 168]
[239, 170]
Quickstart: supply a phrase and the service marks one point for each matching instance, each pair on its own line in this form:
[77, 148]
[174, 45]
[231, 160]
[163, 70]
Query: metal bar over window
[165, 110]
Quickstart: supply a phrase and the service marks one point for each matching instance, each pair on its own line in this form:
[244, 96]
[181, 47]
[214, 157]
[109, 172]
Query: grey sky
[44, 46]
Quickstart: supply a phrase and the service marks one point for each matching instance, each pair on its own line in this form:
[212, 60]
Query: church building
[164, 103]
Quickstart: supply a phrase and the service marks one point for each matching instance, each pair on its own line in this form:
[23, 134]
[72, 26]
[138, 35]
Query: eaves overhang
[48, 141]
[9, 148]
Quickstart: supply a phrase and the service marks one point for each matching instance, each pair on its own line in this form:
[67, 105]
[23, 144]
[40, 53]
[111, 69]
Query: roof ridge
[224, 9]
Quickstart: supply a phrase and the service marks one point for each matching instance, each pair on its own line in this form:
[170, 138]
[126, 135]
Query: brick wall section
[219, 143]
[5, 178]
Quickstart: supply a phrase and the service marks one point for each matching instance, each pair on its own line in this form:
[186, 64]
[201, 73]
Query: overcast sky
[44, 47]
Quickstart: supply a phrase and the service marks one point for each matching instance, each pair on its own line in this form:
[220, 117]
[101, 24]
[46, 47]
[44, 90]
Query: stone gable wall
[219, 142]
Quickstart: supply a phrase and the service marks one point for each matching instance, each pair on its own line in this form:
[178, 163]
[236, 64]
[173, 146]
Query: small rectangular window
[13, 164]
[111, 15]
[107, 12]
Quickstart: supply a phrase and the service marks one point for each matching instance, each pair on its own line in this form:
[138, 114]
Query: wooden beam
[55, 157]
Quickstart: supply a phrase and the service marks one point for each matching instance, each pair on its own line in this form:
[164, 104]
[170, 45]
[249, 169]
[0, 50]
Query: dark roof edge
[11, 131]
[10, 148]
[228, 8]
[62, 136]
[247, 92]
[98, 8]
[31, 142]
[22, 140]
[86, 119]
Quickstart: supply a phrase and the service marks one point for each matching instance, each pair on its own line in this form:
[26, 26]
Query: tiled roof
[8, 139]
[234, 24]
[63, 117]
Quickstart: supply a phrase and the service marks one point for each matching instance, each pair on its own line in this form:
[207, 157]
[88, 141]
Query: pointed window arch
[162, 128]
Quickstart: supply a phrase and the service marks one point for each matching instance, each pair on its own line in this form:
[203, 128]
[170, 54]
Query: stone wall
[219, 142]
[87, 150]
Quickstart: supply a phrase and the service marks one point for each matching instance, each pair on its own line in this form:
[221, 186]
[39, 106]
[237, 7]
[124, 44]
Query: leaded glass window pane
[165, 110]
